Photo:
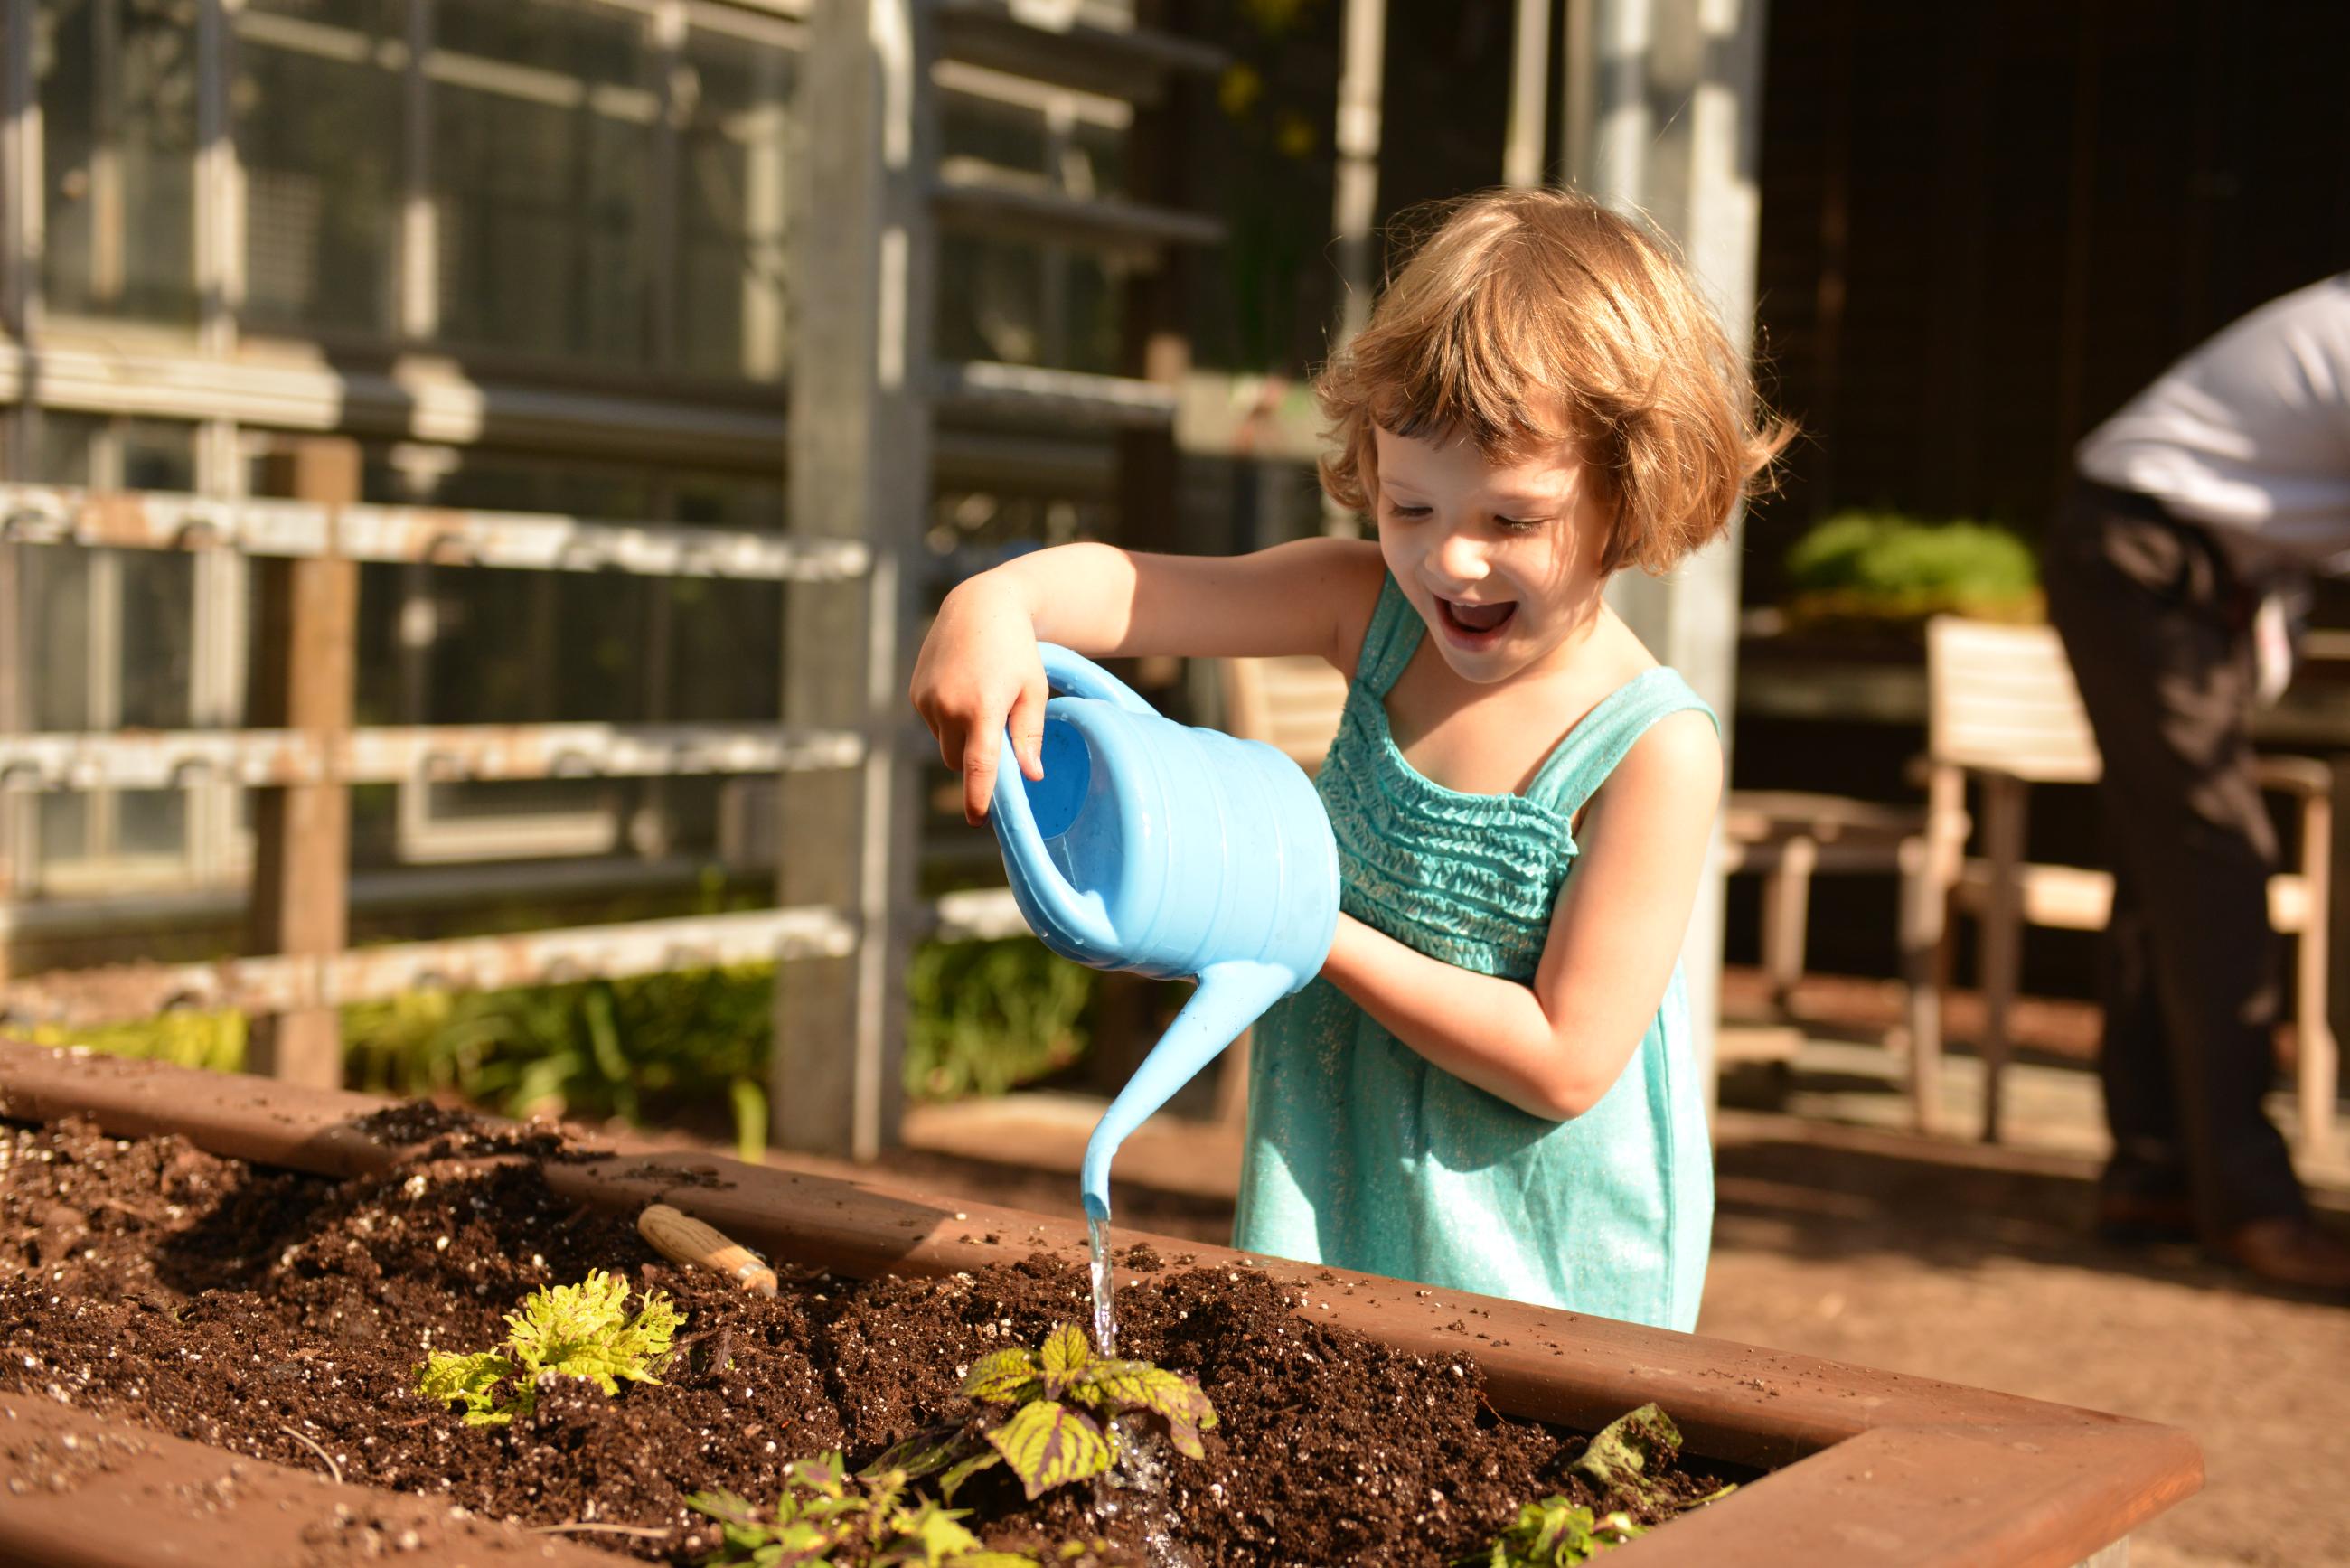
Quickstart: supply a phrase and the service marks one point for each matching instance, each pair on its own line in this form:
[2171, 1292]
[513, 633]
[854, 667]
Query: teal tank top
[1363, 1154]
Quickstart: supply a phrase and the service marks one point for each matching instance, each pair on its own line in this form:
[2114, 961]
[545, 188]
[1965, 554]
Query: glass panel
[733, 153]
[1004, 135]
[318, 106]
[1091, 335]
[116, 81]
[729, 650]
[158, 598]
[1095, 162]
[156, 454]
[542, 138]
[56, 610]
[64, 828]
[62, 452]
[1013, 302]
[76, 684]
[152, 822]
[991, 300]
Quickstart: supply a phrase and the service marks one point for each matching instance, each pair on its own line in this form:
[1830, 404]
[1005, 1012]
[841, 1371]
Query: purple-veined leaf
[969, 1467]
[824, 1475]
[1139, 1385]
[1064, 1356]
[1003, 1377]
[1186, 1438]
[925, 1453]
[1047, 1444]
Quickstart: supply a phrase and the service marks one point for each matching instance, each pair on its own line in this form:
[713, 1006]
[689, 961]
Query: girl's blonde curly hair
[1525, 302]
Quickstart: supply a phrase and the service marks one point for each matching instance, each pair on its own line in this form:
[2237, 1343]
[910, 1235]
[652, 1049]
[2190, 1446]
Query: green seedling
[578, 1330]
[1627, 1460]
[827, 1518]
[1624, 1463]
[1554, 1534]
[1051, 1414]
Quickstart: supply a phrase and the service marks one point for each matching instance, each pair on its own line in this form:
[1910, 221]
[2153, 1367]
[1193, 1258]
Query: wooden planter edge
[1871, 1468]
[130, 1497]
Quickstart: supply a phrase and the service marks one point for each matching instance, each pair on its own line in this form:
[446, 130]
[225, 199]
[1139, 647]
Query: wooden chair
[2002, 711]
[1787, 837]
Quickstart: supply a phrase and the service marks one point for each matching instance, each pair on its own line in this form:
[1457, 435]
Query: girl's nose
[1460, 558]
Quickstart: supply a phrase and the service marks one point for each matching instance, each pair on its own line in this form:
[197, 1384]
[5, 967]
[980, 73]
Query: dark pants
[2157, 630]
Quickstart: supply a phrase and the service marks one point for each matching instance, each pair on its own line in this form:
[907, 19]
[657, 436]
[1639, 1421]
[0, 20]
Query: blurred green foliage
[212, 1041]
[632, 1048]
[985, 1017]
[1886, 567]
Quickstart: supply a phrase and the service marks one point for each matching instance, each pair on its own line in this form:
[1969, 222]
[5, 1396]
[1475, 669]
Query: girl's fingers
[979, 758]
[1027, 723]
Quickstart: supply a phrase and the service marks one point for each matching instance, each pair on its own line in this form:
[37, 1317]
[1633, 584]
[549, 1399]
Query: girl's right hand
[978, 674]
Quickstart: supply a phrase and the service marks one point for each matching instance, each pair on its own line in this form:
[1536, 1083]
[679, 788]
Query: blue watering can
[1171, 851]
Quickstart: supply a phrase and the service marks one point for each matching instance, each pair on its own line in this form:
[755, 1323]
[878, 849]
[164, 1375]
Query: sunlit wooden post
[306, 626]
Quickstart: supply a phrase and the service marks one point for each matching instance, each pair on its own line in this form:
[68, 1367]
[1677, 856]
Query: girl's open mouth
[1476, 624]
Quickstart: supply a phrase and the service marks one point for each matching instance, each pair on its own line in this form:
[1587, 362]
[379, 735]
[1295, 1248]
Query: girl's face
[1503, 562]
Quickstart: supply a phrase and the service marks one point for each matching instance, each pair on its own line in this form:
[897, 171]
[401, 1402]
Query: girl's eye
[1519, 524]
[1397, 509]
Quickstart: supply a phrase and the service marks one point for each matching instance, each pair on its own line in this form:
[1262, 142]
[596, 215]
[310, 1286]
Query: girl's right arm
[979, 671]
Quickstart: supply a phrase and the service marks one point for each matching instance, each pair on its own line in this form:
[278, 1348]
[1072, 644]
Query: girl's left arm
[1552, 1048]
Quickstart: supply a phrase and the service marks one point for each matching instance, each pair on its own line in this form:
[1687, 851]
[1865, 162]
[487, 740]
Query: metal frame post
[859, 466]
[1694, 172]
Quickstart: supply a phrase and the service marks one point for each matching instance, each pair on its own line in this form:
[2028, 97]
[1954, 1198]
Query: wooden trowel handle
[685, 1240]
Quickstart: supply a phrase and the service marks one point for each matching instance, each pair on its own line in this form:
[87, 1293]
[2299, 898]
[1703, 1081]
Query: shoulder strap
[1582, 761]
[1388, 641]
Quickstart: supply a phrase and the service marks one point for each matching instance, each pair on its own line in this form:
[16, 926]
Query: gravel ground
[1949, 1262]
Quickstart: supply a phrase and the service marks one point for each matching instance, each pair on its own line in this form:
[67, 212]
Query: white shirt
[2249, 433]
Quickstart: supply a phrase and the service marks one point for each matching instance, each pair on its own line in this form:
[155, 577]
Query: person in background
[2195, 518]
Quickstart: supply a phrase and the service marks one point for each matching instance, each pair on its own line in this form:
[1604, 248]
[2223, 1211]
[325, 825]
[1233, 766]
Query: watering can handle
[1074, 675]
[1077, 918]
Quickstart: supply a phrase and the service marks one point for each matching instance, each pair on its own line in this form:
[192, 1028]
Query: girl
[1490, 1085]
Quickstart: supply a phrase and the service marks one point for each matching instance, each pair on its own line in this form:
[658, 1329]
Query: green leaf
[992, 1560]
[724, 1507]
[1554, 1534]
[986, 1458]
[1064, 1356]
[935, 1533]
[1047, 1444]
[750, 1102]
[1626, 1456]
[925, 1453]
[585, 1331]
[825, 1476]
[1003, 1377]
[471, 1380]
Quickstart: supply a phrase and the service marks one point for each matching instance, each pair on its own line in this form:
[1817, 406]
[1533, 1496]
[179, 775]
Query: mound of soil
[285, 1316]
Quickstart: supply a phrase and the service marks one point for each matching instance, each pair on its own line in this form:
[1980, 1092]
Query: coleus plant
[1555, 1533]
[1051, 1414]
[828, 1518]
[1624, 1463]
[578, 1330]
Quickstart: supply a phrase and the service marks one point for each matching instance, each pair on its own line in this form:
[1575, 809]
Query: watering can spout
[1228, 999]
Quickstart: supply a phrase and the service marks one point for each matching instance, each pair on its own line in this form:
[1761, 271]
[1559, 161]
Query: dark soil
[285, 1317]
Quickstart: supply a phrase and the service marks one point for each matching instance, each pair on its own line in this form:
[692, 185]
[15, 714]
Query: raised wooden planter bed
[1865, 1466]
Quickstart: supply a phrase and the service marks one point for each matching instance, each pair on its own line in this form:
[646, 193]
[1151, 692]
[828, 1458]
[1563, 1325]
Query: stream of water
[1105, 1310]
